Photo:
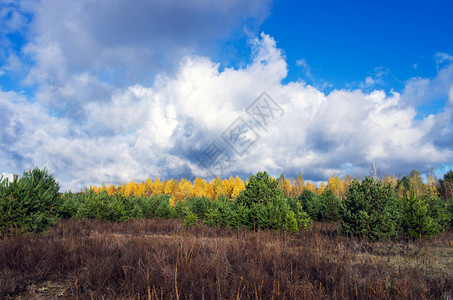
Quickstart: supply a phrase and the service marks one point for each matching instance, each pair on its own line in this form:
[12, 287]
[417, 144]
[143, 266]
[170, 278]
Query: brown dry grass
[159, 259]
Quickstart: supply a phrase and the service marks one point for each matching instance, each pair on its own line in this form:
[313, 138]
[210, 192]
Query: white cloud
[159, 129]
[442, 57]
[113, 44]
[369, 81]
[309, 78]
[305, 67]
[13, 20]
[376, 79]
[13, 16]
[139, 39]
[418, 90]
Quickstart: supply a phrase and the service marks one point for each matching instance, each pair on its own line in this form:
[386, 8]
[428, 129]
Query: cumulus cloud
[109, 34]
[160, 129]
[79, 52]
[418, 90]
[125, 92]
[128, 43]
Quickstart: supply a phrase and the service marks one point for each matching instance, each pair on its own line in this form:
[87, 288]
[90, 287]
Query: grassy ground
[159, 259]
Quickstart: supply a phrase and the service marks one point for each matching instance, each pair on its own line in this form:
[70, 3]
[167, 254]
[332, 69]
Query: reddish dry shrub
[160, 259]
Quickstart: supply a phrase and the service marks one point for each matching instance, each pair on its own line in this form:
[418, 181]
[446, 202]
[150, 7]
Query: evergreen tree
[310, 203]
[261, 188]
[329, 208]
[417, 221]
[29, 203]
[370, 209]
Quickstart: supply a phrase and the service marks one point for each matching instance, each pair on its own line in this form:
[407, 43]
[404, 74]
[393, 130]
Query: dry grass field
[160, 259]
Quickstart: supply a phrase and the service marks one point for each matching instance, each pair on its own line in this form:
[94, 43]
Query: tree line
[183, 189]
[373, 208]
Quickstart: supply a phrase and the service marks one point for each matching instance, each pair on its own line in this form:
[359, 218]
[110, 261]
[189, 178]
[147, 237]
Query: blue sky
[113, 91]
[345, 41]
